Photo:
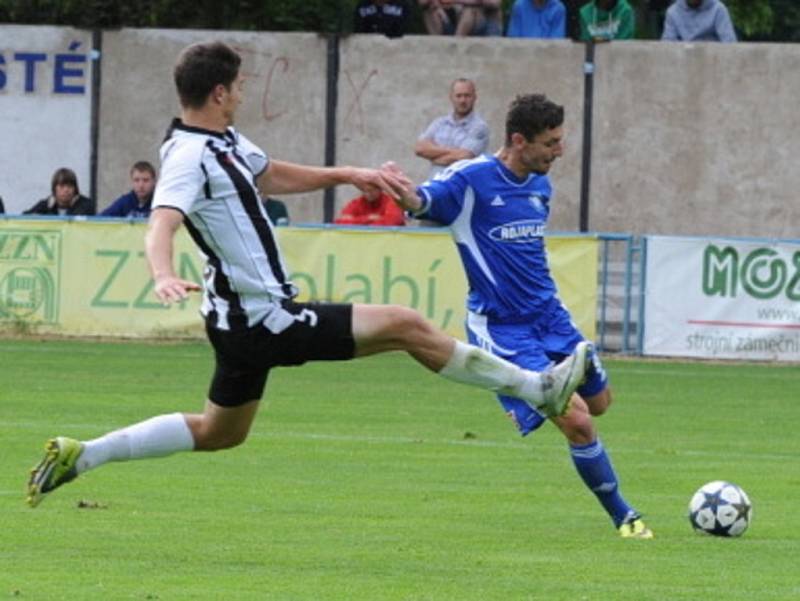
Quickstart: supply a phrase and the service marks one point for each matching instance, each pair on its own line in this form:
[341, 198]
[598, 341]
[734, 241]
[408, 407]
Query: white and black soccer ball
[720, 508]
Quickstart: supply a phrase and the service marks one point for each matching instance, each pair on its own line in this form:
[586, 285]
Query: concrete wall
[687, 138]
[390, 90]
[697, 139]
[283, 110]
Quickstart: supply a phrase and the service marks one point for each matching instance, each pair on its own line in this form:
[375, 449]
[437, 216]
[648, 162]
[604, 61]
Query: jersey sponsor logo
[518, 232]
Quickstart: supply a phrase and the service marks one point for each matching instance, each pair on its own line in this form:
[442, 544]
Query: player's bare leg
[221, 427]
[216, 428]
[380, 328]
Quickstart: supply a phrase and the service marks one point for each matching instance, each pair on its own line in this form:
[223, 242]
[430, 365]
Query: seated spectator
[603, 20]
[373, 207]
[462, 17]
[698, 21]
[389, 17]
[537, 19]
[135, 203]
[65, 197]
[276, 211]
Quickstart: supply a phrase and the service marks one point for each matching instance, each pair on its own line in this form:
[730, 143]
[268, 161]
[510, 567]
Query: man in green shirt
[604, 20]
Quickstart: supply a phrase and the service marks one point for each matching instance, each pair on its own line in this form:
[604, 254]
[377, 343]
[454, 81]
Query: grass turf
[373, 480]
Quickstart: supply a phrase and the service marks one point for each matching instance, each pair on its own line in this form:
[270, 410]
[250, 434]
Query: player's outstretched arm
[289, 178]
[407, 198]
[161, 228]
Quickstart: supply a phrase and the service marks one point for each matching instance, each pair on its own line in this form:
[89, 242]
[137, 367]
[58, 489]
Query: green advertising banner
[90, 278]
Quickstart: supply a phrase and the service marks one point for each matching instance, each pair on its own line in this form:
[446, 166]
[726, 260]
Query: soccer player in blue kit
[497, 208]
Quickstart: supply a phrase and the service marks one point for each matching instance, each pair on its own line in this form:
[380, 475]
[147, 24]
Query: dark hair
[531, 114]
[201, 68]
[64, 176]
[144, 166]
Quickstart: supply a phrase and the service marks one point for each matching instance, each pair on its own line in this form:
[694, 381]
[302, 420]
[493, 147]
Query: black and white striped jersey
[210, 178]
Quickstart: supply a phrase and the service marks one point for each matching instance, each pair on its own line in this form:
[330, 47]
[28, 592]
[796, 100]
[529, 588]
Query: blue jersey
[498, 222]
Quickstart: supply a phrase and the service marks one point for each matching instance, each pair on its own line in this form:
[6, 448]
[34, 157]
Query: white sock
[472, 365]
[155, 437]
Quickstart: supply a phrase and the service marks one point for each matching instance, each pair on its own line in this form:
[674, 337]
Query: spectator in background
[604, 20]
[2, 208]
[65, 197]
[698, 21]
[373, 207]
[389, 17]
[462, 17]
[456, 136]
[537, 19]
[135, 203]
[276, 211]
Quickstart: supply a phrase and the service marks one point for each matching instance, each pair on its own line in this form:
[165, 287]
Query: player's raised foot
[634, 527]
[57, 468]
[561, 381]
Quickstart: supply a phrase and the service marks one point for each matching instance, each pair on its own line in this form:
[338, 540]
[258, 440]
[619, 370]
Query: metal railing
[621, 292]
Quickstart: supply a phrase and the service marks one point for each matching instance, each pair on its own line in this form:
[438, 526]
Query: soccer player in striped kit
[211, 178]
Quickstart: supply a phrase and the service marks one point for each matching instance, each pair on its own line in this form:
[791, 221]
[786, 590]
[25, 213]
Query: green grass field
[374, 480]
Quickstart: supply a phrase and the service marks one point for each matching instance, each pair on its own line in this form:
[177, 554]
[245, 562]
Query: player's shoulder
[253, 154]
[473, 166]
[184, 147]
[465, 168]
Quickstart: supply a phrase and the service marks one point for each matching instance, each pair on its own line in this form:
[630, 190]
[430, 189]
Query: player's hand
[391, 168]
[171, 289]
[392, 183]
[407, 198]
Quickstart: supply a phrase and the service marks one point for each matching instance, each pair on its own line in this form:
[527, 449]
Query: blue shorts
[536, 344]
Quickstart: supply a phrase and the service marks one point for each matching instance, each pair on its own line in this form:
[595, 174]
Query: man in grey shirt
[698, 21]
[457, 136]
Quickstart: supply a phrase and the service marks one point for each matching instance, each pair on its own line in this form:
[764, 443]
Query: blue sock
[594, 467]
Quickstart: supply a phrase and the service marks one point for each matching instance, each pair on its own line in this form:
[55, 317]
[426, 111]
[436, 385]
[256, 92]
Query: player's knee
[217, 440]
[599, 403]
[577, 427]
[407, 325]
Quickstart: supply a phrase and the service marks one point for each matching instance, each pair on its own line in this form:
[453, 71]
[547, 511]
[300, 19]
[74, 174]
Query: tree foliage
[760, 20]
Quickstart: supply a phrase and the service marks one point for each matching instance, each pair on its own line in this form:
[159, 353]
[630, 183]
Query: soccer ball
[720, 508]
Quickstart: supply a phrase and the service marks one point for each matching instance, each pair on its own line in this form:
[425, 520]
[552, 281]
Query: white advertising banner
[45, 110]
[722, 298]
